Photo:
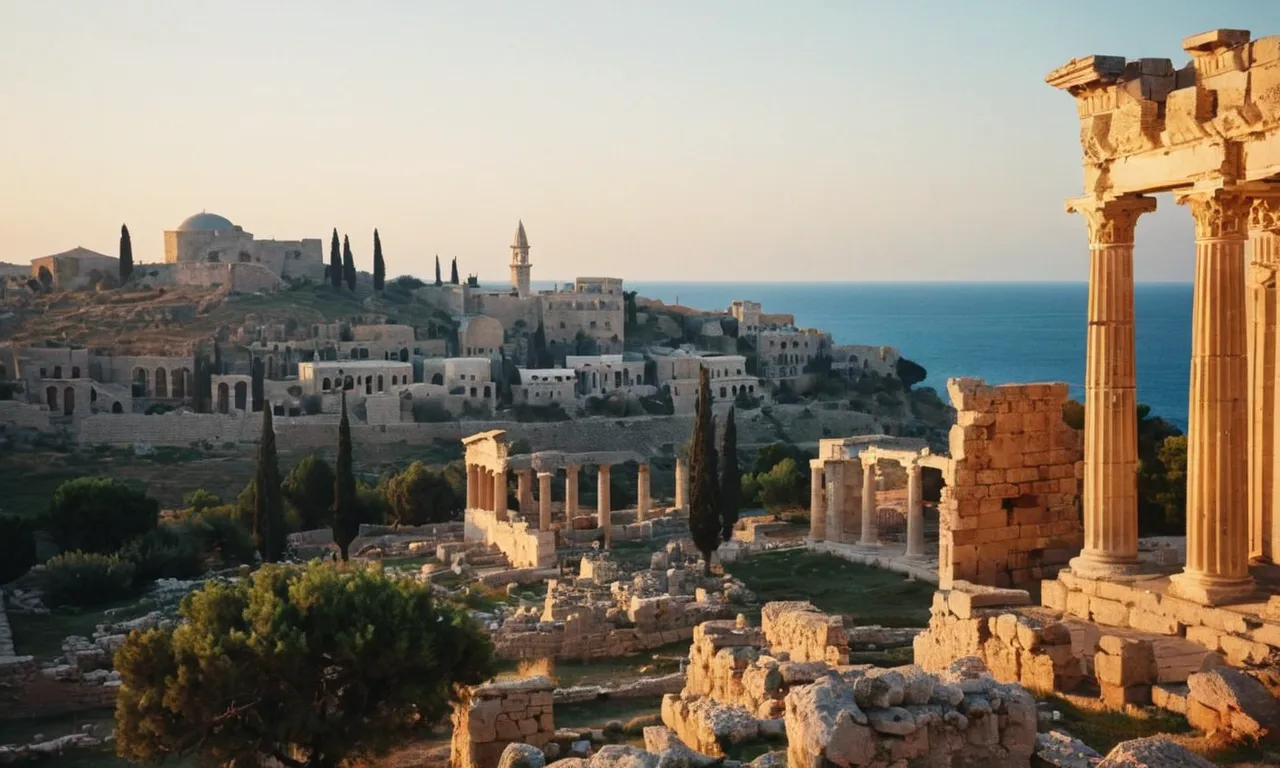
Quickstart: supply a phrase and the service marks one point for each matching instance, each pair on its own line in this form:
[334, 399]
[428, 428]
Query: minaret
[520, 266]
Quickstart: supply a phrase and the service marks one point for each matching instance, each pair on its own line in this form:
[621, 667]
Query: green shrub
[168, 552]
[222, 540]
[86, 579]
[199, 500]
[99, 514]
[17, 547]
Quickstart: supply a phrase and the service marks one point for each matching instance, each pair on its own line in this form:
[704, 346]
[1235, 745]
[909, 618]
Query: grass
[594, 714]
[606, 671]
[41, 635]
[869, 595]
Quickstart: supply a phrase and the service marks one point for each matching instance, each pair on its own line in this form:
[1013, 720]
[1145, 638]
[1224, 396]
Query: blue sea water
[1001, 332]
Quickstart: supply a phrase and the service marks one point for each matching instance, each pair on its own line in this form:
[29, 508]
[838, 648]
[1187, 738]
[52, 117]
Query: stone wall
[1010, 509]
[15, 414]
[235, 277]
[804, 632]
[524, 546]
[500, 713]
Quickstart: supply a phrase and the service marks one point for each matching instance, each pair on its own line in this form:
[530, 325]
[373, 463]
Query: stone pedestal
[870, 520]
[642, 493]
[817, 502]
[570, 492]
[604, 510]
[835, 501]
[1217, 436]
[1262, 306]
[915, 512]
[682, 485]
[544, 501]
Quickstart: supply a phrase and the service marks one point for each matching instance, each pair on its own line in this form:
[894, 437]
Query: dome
[205, 222]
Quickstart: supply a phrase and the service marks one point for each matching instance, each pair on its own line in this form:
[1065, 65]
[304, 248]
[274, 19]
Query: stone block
[1078, 604]
[1155, 623]
[1108, 612]
[1209, 638]
[1242, 652]
[1117, 696]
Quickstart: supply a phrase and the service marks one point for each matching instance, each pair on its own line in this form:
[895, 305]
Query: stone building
[367, 376]
[78, 269]
[603, 374]
[785, 353]
[543, 386]
[213, 239]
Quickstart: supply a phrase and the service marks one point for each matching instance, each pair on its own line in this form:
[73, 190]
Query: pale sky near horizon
[662, 140]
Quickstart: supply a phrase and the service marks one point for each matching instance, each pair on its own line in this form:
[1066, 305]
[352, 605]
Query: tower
[520, 266]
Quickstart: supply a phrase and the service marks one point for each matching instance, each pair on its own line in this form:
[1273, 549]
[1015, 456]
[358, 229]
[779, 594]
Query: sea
[1000, 332]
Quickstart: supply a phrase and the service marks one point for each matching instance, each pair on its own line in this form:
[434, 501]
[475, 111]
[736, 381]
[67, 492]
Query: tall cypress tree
[453, 276]
[257, 372]
[730, 478]
[540, 355]
[704, 486]
[335, 262]
[438, 280]
[346, 520]
[379, 266]
[126, 254]
[268, 508]
[348, 264]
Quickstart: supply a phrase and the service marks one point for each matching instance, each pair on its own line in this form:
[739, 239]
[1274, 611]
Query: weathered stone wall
[15, 414]
[525, 547]
[1010, 509]
[236, 277]
[501, 713]
[804, 633]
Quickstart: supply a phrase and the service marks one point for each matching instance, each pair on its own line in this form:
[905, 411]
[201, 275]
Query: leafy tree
[126, 254]
[99, 514]
[309, 488]
[269, 532]
[910, 372]
[704, 486]
[257, 375]
[17, 547]
[45, 277]
[199, 500]
[348, 264]
[770, 455]
[86, 579]
[379, 266]
[781, 487]
[453, 274]
[164, 553]
[316, 667]
[730, 478]
[439, 282]
[629, 303]
[346, 514]
[419, 495]
[335, 262]
[1173, 497]
[541, 355]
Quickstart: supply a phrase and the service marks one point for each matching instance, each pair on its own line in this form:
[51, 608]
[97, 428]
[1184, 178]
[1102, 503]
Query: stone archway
[116, 407]
[140, 388]
[162, 383]
[224, 398]
[437, 378]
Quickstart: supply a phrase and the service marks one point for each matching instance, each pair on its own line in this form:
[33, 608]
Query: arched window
[224, 397]
[368, 385]
[139, 382]
[326, 385]
[723, 393]
[487, 391]
[393, 379]
[75, 371]
[437, 378]
[57, 371]
[68, 401]
[380, 387]
[116, 407]
[348, 383]
[242, 396]
[734, 390]
[473, 391]
[180, 383]
[51, 398]
[162, 383]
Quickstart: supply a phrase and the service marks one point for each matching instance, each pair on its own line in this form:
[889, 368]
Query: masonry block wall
[1009, 513]
[500, 713]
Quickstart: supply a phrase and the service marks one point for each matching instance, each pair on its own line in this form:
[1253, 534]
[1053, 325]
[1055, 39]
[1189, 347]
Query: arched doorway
[116, 407]
[348, 383]
[139, 382]
[437, 378]
[368, 385]
[380, 387]
[51, 398]
[224, 397]
[242, 395]
[180, 383]
[162, 383]
[326, 384]
[68, 401]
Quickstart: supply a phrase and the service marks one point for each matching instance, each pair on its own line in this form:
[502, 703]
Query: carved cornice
[1218, 213]
[1111, 222]
[1264, 214]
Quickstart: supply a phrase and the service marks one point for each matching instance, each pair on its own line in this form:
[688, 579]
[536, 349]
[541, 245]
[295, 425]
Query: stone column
[835, 500]
[473, 485]
[817, 502]
[870, 535]
[524, 490]
[642, 493]
[500, 493]
[1110, 498]
[570, 492]
[682, 485]
[604, 514]
[544, 501]
[1262, 303]
[915, 511]
[1217, 567]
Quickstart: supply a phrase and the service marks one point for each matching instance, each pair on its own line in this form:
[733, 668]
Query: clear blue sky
[664, 139]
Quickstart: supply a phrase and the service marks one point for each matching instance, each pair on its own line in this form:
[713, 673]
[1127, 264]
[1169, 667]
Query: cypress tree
[348, 264]
[438, 280]
[379, 266]
[453, 276]
[540, 356]
[346, 521]
[268, 507]
[335, 262]
[730, 478]
[217, 358]
[704, 487]
[126, 254]
[257, 372]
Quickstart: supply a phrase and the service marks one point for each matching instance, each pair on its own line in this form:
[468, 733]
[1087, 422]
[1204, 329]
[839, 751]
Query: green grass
[615, 669]
[869, 595]
[1102, 729]
[42, 635]
[594, 714]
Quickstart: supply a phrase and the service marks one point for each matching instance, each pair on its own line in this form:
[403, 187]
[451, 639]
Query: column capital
[817, 464]
[1218, 213]
[1111, 222]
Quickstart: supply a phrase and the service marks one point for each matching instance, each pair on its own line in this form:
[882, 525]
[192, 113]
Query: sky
[657, 140]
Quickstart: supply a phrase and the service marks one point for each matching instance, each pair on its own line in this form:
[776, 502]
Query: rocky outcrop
[708, 725]
[1056, 749]
[1152, 752]
[1232, 702]
[804, 633]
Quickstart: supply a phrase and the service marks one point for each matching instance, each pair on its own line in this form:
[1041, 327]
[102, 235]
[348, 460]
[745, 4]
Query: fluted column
[484, 494]
[1217, 568]
[1110, 498]
[835, 501]
[524, 490]
[682, 485]
[817, 502]
[915, 511]
[1263, 345]
[870, 534]
[544, 501]
[500, 493]
[642, 493]
[472, 486]
[571, 492]
[604, 514]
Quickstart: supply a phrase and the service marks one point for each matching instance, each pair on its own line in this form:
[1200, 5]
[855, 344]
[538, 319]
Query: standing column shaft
[570, 492]
[915, 512]
[604, 513]
[870, 528]
[544, 501]
[524, 490]
[835, 501]
[1110, 498]
[682, 485]
[1263, 301]
[484, 490]
[817, 502]
[642, 493]
[1217, 436]
[472, 485]
[500, 493]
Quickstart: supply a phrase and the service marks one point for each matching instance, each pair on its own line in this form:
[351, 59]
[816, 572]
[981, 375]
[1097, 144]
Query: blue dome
[205, 222]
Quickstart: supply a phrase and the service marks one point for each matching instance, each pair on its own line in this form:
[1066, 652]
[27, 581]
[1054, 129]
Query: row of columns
[827, 501]
[1225, 519]
[487, 489]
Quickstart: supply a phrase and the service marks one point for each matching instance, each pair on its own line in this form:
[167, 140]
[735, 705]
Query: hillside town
[605, 549]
